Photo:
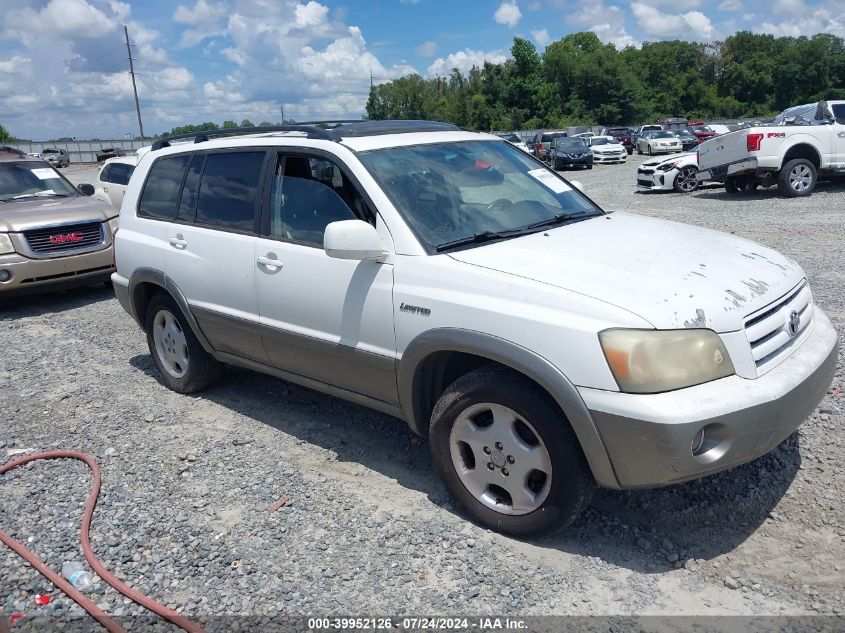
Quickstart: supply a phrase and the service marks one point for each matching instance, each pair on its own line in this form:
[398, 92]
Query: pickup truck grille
[68, 237]
[773, 331]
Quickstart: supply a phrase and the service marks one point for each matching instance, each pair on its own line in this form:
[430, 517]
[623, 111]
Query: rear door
[212, 241]
[324, 318]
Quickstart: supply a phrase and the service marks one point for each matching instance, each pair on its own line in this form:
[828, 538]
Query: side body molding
[518, 358]
[158, 278]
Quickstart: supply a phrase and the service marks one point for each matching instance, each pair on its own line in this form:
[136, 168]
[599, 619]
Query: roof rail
[323, 130]
[311, 131]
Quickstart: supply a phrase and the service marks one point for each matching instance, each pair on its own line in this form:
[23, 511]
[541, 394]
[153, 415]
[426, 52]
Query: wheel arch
[803, 149]
[145, 283]
[436, 358]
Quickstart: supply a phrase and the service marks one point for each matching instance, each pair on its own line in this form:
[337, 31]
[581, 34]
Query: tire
[650, 151]
[590, 166]
[639, 151]
[531, 431]
[183, 365]
[686, 181]
[797, 178]
[741, 184]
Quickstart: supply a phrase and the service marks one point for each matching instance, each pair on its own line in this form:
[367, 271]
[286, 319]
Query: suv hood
[671, 274]
[30, 213]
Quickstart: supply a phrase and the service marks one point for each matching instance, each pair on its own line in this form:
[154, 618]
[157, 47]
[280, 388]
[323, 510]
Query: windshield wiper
[558, 218]
[477, 238]
[40, 194]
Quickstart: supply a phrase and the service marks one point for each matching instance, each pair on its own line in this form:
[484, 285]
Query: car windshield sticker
[43, 173]
[549, 180]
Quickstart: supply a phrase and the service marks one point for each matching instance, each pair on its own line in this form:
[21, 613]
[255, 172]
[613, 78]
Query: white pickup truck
[801, 143]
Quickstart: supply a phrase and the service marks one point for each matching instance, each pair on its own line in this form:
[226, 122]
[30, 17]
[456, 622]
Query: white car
[517, 142]
[584, 135]
[658, 142]
[679, 173]
[114, 178]
[606, 149]
[445, 278]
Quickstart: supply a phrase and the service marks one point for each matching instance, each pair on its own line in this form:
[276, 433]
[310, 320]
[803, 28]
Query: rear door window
[229, 187]
[161, 191]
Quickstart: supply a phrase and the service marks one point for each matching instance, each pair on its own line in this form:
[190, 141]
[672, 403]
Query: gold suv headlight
[6, 244]
[651, 361]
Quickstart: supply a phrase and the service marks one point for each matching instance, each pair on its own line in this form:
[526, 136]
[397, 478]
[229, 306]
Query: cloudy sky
[63, 64]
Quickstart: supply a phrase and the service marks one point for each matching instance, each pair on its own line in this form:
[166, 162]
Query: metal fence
[80, 152]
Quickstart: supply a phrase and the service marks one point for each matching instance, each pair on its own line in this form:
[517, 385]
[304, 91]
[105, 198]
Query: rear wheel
[184, 366]
[741, 184]
[507, 454]
[797, 178]
[687, 180]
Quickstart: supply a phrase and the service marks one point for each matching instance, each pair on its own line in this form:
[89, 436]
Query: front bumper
[565, 161]
[32, 275]
[649, 437]
[611, 158]
[655, 179]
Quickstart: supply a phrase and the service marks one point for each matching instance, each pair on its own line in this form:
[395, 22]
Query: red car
[701, 131]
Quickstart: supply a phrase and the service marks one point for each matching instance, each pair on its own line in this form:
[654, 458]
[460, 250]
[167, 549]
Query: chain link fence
[80, 152]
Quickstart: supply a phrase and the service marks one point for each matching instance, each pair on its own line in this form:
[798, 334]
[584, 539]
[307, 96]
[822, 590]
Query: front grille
[68, 237]
[642, 170]
[769, 333]
[645, 183]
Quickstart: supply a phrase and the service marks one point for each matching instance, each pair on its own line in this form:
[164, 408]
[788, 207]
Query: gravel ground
[183, 514]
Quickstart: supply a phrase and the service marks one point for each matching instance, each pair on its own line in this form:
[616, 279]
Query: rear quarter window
[161, 191]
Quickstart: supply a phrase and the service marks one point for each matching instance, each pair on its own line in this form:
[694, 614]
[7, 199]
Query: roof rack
[310, 131]
[323, 130]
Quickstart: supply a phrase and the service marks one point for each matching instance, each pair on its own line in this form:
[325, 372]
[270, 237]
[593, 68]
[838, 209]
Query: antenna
[134, 87]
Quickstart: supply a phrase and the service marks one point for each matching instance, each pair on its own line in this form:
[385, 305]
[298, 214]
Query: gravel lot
[369, 529]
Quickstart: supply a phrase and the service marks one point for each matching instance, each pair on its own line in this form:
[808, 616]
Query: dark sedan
[689, 141]
[568, 152]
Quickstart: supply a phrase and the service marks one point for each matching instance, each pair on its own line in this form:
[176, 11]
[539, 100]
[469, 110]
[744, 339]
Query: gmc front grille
[68, 237]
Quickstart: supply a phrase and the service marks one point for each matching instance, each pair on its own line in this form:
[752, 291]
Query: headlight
[6, 244]
[651, 361]
[668, 166]
[113, 224]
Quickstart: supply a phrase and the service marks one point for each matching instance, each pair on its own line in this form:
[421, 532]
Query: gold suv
[52, 233]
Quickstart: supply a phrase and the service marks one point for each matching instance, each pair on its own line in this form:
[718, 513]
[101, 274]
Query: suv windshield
[569, 143]
[31, 179]
[473, 191]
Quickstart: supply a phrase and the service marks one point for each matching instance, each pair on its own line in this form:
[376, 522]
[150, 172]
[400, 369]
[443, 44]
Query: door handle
[270, 261]
[175, 242]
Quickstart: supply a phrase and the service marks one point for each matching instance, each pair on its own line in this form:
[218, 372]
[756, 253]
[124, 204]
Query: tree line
[578, 80]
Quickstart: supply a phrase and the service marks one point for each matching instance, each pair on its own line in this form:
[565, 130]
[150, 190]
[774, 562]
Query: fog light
[5, 275]
[697, 443]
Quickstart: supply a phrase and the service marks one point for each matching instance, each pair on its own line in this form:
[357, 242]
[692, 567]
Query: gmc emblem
[66, 237]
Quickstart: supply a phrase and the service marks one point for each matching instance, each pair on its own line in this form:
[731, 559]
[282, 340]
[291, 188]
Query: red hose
[96, 565]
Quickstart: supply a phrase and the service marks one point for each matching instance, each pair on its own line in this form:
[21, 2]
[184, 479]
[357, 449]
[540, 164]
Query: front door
[327, 319]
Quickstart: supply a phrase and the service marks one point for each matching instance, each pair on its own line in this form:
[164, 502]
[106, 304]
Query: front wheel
[687, 180]
[507, 454]
[184, 366]
[797, 178]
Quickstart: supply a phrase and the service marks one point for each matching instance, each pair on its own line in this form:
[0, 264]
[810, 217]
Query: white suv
[448, 279]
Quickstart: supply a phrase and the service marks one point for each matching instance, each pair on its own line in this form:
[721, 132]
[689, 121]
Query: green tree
[247, 123]
[5, 137]
[228, 124]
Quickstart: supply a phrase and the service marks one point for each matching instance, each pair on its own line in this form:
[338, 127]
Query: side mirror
[85, 189]
[577, 184]
[353, 239]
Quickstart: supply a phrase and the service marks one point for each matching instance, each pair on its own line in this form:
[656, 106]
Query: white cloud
[606, 21]
[693, 25]
[67, 19]
[427, 49]
[730, 5]
[202, 13]
[464, 61]
[789, 8]
[541, 36]
[677, 5]
[826, 18]
[508, 13]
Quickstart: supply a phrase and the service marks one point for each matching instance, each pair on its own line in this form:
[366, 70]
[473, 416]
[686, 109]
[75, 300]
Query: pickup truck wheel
[740, 184]
[507, 454]
[797, 178]
[687, 180]
[184, 366]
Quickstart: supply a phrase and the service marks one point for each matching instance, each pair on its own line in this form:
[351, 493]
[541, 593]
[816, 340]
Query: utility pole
[371, 78]
[134, 87]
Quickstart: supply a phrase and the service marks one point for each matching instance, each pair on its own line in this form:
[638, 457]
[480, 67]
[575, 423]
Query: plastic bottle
[77, 575]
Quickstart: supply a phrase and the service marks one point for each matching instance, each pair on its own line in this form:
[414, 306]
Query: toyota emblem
[794, 323]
